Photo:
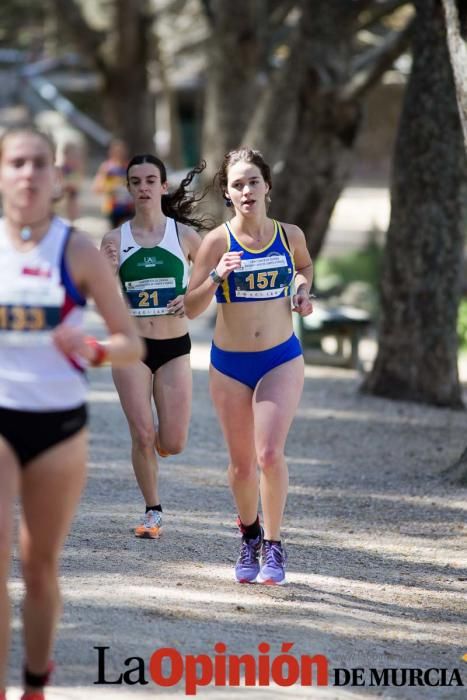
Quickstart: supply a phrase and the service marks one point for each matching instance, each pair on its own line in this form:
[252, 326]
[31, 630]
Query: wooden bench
[346, 324]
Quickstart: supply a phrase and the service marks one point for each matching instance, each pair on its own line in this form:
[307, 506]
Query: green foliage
[352, 279]
[358, 266]
[462, 325]
[364, 266]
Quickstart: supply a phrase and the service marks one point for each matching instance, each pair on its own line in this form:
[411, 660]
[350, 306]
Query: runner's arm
[94, 278]
[201, 287]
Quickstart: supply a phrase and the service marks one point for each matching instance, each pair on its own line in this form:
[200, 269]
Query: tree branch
[360, 6]
[206, 6]
[269, 122]
[279, 15]
[78, 31]
[369, 67]
[379, 11]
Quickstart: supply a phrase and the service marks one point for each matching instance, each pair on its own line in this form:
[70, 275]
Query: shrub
[462, 325]
[352, 278]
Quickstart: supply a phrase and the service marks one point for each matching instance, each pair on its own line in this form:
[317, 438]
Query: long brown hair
[180, 204]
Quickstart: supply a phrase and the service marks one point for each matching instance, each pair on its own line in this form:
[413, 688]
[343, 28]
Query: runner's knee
[270, 458]
[243, 470]
[143, 436]
[174, 445]
[40, 575]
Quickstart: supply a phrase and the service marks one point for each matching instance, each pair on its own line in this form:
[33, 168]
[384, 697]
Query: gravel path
[376, 543]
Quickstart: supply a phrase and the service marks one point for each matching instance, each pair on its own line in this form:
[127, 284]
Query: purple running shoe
[273, 559]
[247, 566]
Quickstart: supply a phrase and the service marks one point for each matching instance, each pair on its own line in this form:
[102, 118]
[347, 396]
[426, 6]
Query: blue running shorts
[250, 367]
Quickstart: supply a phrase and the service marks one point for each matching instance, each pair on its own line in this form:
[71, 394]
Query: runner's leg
[9, 478]
[51, 487]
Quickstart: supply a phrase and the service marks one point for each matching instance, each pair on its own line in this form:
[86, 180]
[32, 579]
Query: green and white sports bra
[151, 277]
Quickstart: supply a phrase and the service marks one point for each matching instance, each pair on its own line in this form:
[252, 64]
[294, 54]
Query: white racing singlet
[36, 294]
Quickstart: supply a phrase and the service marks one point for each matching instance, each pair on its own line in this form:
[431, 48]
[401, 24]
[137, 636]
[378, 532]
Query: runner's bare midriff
[251, 326]
[161, 327]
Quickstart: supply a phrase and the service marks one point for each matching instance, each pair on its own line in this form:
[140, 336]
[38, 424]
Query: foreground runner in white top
[47, 271]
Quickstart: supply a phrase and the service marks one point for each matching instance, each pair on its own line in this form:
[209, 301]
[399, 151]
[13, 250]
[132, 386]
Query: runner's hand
[71, 342]
[301, 303]
[111, 253]
[176, 307]
[228, 263]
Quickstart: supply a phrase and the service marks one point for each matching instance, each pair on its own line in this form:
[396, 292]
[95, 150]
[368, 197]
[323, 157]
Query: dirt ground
[376, 542]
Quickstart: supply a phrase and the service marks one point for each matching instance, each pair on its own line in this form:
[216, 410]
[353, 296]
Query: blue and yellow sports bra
[265, 274]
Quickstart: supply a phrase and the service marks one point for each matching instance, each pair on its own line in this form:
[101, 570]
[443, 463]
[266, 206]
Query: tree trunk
[304, 120]
[324, 127]
[457, 472]
[455, 14]
[234, 62]
[421, 281]
[303, 128]
[127, 103]
[169, 149]
[234, 52]
[320, 159]
[126, 100]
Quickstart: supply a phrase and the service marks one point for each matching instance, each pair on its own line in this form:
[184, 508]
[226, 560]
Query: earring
[57, 192]
[228, 202]
[268, 199]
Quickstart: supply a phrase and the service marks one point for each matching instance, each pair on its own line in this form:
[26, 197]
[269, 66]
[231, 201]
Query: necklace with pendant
[25, 233]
